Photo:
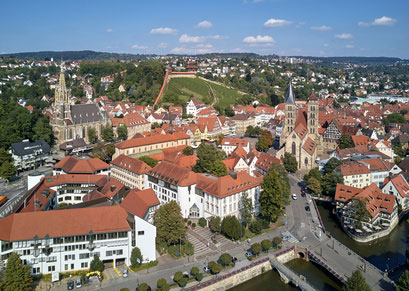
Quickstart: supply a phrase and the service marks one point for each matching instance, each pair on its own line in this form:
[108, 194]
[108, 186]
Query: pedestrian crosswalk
[287, 236]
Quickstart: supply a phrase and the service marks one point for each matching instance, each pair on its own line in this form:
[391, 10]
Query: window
[293, 149]
[108, 253]
[142, 232]
[84, 265]
[51, 268]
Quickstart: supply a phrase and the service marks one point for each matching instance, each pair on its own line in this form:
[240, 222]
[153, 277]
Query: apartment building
[202, 195]
[230, 144]
[355, 174]
[129, 171]
[28, 155]
[380, 169]
[398, 187]
[382, 209]
[134, 122]
[67, 240]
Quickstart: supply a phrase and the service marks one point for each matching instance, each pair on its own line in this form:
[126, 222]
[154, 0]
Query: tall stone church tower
[290, 117]
[62, 108]
[313, 114]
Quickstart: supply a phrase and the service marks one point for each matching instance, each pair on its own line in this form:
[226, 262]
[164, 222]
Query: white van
[294, 196]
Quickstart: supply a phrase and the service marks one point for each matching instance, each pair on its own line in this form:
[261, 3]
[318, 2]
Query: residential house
[355, 174]
[29, 155]
[134, 122]
[399, 187]
[129, 171]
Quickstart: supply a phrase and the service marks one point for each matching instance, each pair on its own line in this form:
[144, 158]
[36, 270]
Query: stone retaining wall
[235, 278]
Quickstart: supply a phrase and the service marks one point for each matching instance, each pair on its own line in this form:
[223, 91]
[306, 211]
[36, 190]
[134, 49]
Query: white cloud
[321, 28]
[184, 38]
[163, 30]
[363, 24]
[381, 21]
[202, 48]
[163, 45]
[109, 30]
[384, 21]
[276, 22]
[259, 40]
[139, 47]
[349, 46]
[344, 36]
[204, 24]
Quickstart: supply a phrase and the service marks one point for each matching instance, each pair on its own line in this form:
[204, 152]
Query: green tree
[229, 112]
[261, 144]
[314, 185]
[151, 162]
[182, 282]
[246, 210]
[271, 198]
[290, 162]
[4, 156]
[194, 271]
[178, 276]
[16, 275]
[104, 152]
[162, 284]
[314, 173]
[210, 160]
[43, 130]
[215, 224]
[202, 222]
[155, 125]
[284, 181]
[403, 282]
[144, 287]
[356, 283]
[330, 181]
[108, 134]
[276, 241]
[266, 245]
[231, 227]
[256, 248]
[216, 268]
[345, 141]
[331, 165]
[122, 132]
[360, 213]
[7, 170]
[199, 277]
[395, 118]
[92, 135]
[96, 264]
[256, 226]
[188, 151]
[169, 223]
[136, 257]
[226, 259]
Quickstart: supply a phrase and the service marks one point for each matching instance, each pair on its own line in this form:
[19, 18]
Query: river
[385, 253]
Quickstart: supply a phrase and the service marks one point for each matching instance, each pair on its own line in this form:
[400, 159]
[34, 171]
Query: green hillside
[180, 90]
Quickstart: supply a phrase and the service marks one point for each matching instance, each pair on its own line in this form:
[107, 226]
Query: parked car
[206, 269]
[294, 196]
[70, 284]
[78, 283]
[307, 208]
[234, 260]
[125, 273]
[285, 237]
[249, 254]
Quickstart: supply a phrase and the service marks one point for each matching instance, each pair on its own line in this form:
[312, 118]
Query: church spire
[289, 97]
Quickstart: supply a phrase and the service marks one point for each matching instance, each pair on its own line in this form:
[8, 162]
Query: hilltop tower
[290, 110]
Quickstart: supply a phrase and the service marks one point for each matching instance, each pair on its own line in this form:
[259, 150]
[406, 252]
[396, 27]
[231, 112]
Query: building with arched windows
[300, 135]
[74, 121]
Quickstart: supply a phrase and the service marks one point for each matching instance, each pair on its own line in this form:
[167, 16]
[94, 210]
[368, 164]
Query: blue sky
[284, 27]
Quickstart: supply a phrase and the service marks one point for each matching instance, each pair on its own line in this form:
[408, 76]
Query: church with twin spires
[73, 121]
[300, 136]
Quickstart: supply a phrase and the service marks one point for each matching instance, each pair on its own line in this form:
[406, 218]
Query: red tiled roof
[139, 202]
[264, 161]
[353, 168]
[133, 165]
[112, 188]
[309, 146]
[67, 222]
[161, 138]
[401, 185]
[131, 119]
[72, 165]
[375, 200]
